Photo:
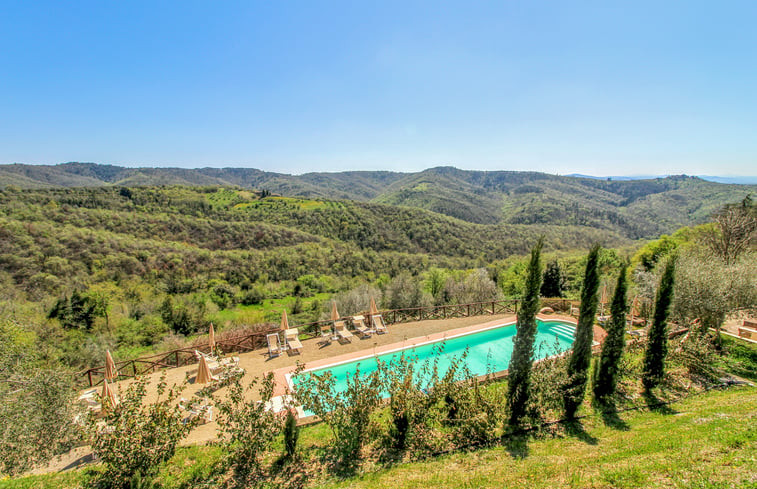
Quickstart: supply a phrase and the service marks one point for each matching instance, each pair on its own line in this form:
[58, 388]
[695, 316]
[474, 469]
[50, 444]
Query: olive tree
[708, 288]
[37, 410]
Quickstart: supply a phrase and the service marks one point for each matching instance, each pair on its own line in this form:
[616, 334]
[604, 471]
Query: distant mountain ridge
[632, 208]
[738, 180]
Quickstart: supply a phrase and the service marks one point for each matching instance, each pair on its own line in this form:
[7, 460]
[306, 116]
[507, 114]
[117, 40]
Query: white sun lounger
[377, 320]
[274, 345]
[292, 338]
[358, 322]
[341, 329]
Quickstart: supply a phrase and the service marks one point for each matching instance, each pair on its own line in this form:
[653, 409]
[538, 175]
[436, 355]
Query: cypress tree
[612, 349]
[657, 346]
[553, 283]
[580, 358]
[519, 369]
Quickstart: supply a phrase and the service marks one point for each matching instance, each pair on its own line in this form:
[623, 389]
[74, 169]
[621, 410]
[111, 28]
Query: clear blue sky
[634, 87]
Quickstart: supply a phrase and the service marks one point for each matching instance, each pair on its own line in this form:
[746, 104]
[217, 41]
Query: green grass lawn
[708, 441]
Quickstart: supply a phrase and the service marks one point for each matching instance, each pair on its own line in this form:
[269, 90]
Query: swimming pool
[489, 351]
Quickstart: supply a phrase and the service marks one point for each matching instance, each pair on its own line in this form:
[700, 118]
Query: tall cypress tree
[657, 346]
[580, 358]
[612, 350]
[519, 370]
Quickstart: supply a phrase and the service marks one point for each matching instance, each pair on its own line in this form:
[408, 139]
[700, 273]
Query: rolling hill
[632, 209]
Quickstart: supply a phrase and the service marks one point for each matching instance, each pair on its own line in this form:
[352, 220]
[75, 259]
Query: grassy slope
[706, 441]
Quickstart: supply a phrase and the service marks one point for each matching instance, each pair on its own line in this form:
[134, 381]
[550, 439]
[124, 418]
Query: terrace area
[316, 353]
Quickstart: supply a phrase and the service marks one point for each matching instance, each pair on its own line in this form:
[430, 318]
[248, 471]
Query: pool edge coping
[282, 376]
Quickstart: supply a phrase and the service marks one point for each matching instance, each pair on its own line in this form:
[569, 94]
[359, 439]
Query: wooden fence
[253, 340]
[174, 358]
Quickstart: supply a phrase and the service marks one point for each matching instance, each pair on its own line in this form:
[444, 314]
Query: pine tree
[657, 347]
[523, 349]
[580, 358]
[612, 349]
[553, 284]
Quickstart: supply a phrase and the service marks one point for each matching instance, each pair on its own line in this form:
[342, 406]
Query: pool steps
[565, 331]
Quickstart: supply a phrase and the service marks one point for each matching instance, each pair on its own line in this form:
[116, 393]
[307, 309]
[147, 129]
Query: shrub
[37, 411]
[697, 354]
[358, 299]
[291, 435]
[476, 413]
[136, 437]
[347, 413]
[248, 429]
[412, 393]
[548, 376]
[252, 297]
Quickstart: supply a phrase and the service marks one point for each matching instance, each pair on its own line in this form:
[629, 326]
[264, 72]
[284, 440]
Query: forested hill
[631, 208]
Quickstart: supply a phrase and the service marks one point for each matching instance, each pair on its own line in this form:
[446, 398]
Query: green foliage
[521, 361]
[291, 435]
[512, 280]
[697, 354]
[347, 413]
[474, 286]
[248, 429]
[77, 311]
[653, 252]
[606, 377]
[657, 346]
[135, 436]
[707, 288]
[435, 278]
[553, 282]
[548, 376]
[409, 402]
[183, 316]
[734, 231]
[37, 411]
[356, 300]
[405, 291]
[580, 357]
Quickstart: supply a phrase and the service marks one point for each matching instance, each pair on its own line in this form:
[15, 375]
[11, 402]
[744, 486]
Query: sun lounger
[90, 397]
[341, 330]
[197, 409]
[327, 332]
[358, 322]
[229, 362]
[274, 345]
[292, 338]
[377, 320]
[214, 364]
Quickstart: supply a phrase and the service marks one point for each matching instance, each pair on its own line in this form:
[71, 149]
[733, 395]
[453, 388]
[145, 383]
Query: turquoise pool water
[488, 351]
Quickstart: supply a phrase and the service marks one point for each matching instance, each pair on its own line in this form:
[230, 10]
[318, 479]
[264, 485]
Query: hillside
[631, 208]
